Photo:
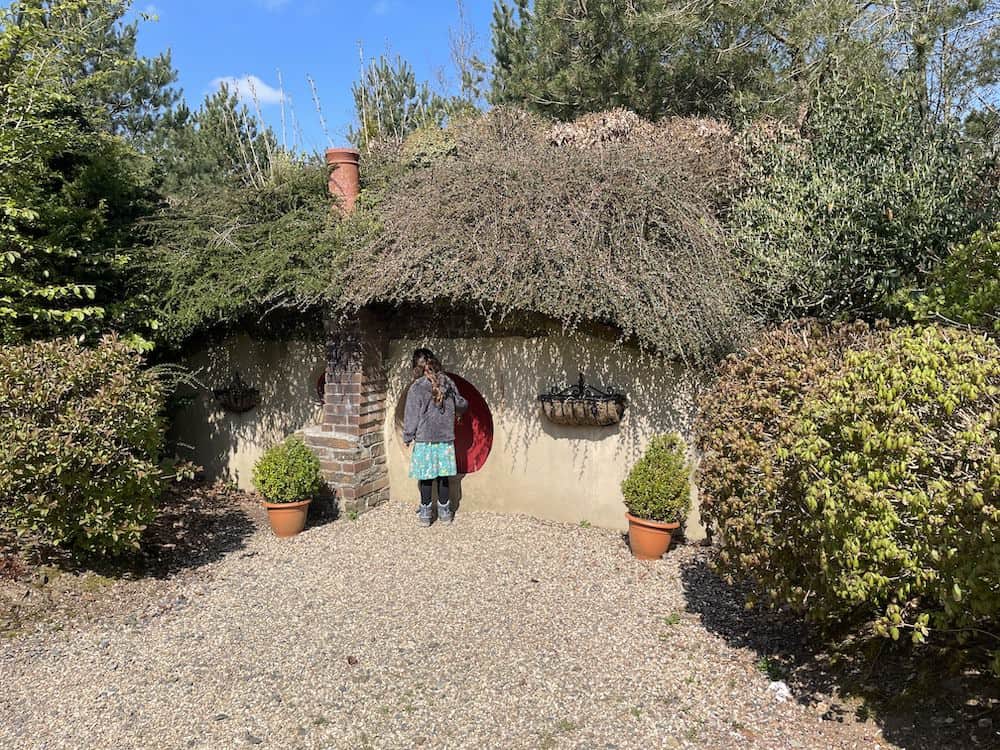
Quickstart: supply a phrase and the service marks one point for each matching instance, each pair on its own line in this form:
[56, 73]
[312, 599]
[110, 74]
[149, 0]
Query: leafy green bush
[81, 432]
[893, 484]
[287, 472]
[239, 251]
[868, 491]
[658, 487]
[744, 418]
[965, 287]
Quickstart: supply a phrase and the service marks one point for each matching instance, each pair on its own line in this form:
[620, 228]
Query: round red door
[474, 432]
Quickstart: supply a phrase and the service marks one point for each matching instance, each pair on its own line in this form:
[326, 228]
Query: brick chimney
[345, 182]
[350, 441]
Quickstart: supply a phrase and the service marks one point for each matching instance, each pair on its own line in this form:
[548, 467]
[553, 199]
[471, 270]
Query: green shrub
[658, 486]
[743, 419]
[892, 488]
[288, 472]
[242, 251]
[965, 286]
[855, 476]
[80, 434]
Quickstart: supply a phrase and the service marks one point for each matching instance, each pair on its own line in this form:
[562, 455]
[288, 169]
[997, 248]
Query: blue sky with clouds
[212, 40]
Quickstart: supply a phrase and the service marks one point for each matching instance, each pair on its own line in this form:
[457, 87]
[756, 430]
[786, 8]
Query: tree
[564, 58]
[219, 145]
[736, 58]
[75, 101]
[248, 226]
[847, 214]
[391, 104]
[133, 94]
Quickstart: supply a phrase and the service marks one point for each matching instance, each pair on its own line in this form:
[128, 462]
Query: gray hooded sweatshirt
[427, 422]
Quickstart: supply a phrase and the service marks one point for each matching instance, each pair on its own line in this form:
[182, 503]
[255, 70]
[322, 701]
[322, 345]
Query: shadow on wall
[226, 443]
[553, 471]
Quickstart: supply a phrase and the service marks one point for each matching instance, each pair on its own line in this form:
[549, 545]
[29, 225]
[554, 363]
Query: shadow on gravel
[921, 699]
[323, 510]
[196, 524]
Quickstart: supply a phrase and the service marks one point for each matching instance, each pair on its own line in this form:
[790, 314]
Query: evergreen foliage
[220, 144]
[965, 287]
[736, 59]
[658, 486]
[73, 93]
[288, 473]
[234, 252]
[892, 481]
[564, 58]
[743, 420]
[859, 206]
[390, 103]
[249, 226]
[853, 474]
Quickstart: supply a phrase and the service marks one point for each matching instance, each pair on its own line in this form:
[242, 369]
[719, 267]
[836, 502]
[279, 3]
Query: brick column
[350, 441]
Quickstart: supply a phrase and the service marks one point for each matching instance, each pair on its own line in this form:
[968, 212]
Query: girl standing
[432, 405]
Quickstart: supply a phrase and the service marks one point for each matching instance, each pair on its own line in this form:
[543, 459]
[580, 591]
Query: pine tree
[738, 58]
[390, 103]
[563, 57]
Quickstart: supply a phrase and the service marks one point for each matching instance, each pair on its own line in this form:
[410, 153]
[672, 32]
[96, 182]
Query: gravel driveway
[496, 632]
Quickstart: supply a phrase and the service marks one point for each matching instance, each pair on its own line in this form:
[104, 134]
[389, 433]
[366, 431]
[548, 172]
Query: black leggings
[426, 485]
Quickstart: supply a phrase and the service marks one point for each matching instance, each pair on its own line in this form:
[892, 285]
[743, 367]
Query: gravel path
[498, 632]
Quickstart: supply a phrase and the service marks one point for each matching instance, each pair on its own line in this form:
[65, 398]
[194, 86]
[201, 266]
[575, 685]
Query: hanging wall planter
[238, 396]
[583, 405]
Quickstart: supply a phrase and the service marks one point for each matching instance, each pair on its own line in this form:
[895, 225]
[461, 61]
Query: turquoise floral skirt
[432, 460]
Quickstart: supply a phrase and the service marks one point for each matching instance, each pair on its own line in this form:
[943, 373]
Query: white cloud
[272, 4]
[248, 88]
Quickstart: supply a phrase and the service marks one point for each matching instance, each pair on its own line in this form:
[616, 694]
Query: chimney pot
[345, 180]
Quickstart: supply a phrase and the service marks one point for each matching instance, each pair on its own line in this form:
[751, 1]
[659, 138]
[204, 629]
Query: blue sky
[217, 39]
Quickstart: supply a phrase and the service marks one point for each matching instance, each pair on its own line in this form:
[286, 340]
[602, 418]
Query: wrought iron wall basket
[237, 396]
[583, 405]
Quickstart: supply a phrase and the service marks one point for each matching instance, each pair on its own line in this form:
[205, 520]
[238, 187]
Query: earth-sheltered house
[524, 254]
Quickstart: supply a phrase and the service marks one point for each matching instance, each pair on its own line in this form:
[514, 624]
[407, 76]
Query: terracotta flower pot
[649, 539]
[287, 519]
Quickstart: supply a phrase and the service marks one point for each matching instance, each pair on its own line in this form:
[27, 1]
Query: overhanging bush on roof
[608, 220]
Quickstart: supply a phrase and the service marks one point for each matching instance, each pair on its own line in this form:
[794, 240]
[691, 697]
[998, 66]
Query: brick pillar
[350, 440]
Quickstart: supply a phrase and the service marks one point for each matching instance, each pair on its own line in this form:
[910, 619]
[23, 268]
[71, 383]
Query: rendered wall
[535, 467]
[227, 444]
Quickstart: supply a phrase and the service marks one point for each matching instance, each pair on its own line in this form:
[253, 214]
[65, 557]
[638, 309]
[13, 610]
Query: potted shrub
[287, 475]
[658, 495]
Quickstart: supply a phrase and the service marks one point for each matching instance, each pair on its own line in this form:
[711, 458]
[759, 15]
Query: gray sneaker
[425, 515]
[444, 513]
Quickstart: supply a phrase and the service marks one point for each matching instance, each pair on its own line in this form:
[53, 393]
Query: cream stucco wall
[227, 444]
[536, 467]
